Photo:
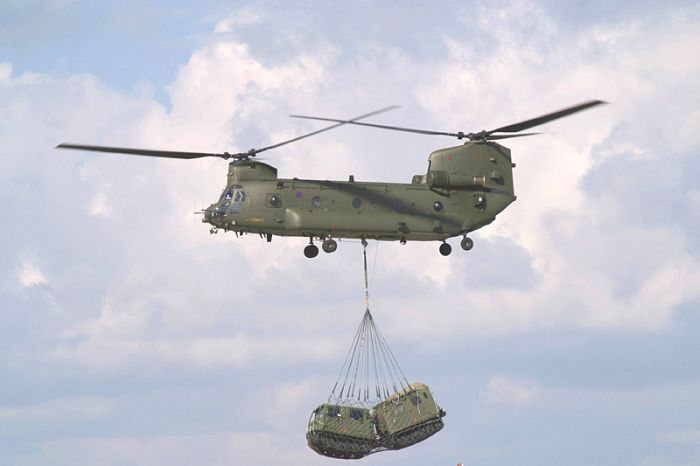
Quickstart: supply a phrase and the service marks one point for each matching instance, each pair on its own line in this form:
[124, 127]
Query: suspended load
[341, 431]
[372, 406]
[408, 417]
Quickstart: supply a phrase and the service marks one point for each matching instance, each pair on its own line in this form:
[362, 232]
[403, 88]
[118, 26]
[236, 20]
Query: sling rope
[370, 371]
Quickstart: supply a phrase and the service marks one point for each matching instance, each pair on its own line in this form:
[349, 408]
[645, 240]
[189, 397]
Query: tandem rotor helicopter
[463, 189]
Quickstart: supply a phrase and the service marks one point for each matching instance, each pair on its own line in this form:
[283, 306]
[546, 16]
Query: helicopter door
[238, 199]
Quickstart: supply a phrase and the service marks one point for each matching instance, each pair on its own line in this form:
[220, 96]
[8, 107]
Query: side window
[480, 201]
[356, 414]
[273, 200]
[334, 411]
[415, 401]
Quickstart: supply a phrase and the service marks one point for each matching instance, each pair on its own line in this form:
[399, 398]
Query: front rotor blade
[514, 128]
[395, 128]
[145, 152]
[339, 123]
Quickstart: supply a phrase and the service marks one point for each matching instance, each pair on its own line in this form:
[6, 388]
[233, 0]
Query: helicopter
[463, 189]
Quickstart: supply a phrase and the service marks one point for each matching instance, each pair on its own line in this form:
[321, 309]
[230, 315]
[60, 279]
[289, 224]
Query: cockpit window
[232, 200]
[220, 211]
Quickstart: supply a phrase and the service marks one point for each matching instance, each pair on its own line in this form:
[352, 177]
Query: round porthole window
[437, 205]
[275, 200]
[316, 202]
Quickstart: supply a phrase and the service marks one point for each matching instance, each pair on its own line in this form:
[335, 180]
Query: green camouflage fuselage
[464, 189]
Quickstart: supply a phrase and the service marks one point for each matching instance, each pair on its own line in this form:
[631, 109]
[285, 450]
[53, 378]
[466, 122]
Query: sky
[129, 335]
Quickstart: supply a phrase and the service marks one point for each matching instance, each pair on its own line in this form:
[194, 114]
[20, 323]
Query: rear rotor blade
[482, 135]
[514, 128]
[459, 135]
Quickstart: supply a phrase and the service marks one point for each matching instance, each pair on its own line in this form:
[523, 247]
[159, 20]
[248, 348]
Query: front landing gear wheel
[311, 251]
[445, 249]
[329, 245]
[467, 243]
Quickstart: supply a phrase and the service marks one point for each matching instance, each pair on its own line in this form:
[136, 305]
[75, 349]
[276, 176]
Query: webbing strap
[364, 257]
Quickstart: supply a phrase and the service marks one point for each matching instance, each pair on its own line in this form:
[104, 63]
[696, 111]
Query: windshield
[226, 195]
[232, 200]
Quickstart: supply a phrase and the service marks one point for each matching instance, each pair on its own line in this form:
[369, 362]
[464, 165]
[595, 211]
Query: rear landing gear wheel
[467, 243]
[311, 251]
[445, 249]
[329, 245]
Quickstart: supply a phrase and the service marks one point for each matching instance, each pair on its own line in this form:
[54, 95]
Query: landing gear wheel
[329, 245]
[445, 249]
[467, 243]
[311, 251]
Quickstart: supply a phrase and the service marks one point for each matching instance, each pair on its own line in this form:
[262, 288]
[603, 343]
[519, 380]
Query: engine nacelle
[441, 179]
[472, 166]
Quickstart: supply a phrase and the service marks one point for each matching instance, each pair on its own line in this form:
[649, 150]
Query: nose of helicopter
[207, 215]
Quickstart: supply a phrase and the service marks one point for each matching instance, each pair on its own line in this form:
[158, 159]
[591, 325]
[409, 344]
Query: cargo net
[372, 406]
[370, 371]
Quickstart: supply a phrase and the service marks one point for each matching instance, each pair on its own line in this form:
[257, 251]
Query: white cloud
[30, 274]
[669, 395]
[504, 390]
[99, 205]
[239, 18]
[104, 353]
[250, 448]
[294, 400]
[5, 72]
